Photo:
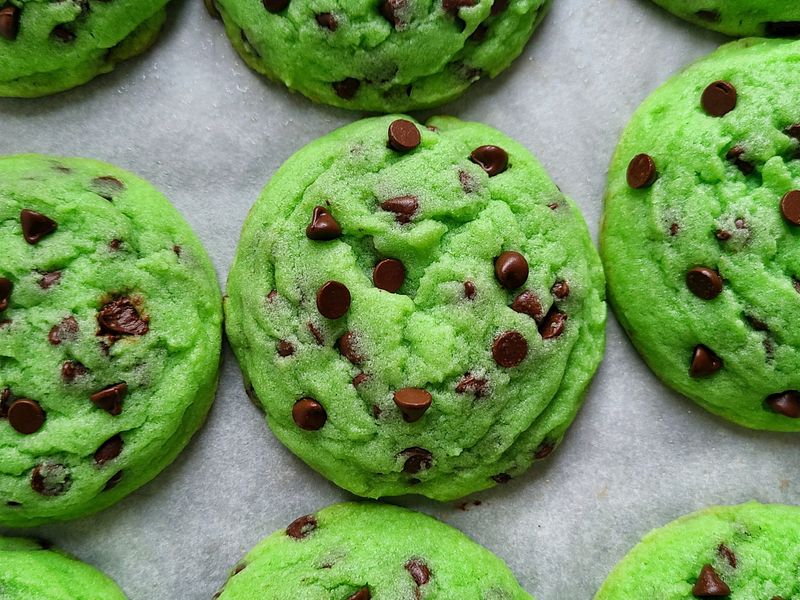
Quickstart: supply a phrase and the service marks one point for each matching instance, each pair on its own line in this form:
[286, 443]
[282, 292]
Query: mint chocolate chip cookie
[701, 240]
[778, 18]
[379, 55]
[370, 551]
[110, 334]
[417, 309]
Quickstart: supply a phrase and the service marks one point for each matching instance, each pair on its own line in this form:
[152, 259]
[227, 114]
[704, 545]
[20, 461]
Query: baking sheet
[191, 118]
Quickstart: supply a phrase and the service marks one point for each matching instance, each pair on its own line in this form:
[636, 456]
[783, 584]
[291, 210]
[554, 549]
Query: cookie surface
[745, 552]
[110, 334]
[48, 47]
[380, 55]
[422, 320]
[33, 570]
[701, 240]
[370, 552]
[777, 18]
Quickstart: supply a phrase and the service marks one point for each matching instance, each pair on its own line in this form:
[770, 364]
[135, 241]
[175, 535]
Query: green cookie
[29, 570]
[419, 310]
[701, 240]
[370, 552]
[110, 327]
[48, 47]
[779, 18]
[745, 552]
[380, 55]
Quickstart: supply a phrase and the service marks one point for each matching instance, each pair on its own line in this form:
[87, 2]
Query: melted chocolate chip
[560, 290]
[785, 403]
[553, 324]
[793, 131]
[403, 207]
[302, 527]
[453, 6]
[480, 33]
[63, 34]
[347, 88]
[509, 349]
[735, 156]
[528, 303]
[50, 479]
[722, 235]
[107, 187]
[704, 283]
[419, 571]
[26, 416]
[347, 346]
[333, 300]
[112, 483]
[790, 207]
[362, 594]
[641, 172]
[492, 159]
[48, 280]
[72, 369]
[285, 348]
[544, 450]
[417, 459]
[389, 275]
[471, 384]
[328, 21]
[318, 337]
[66, 331]
[9, 22]
[392, 11]
[709, 584]
[727, 554]
[323, 226]
[704, 362]
[359, 379]
[499, 6]
[404, 135]
[309, 414]
[511, 270]
[469, 290]
[413, 403]
[275, 6]
[121, 316]
[6, 287]
[719, 98]
[35, 226]
[109, 450]
[110, 398]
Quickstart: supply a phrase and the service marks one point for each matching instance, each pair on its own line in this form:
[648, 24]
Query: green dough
[779, 18]
[354, 406]
[715, 205]
[750, 551]
[370, 552]
[380, 55]
[31, 571]
[47, 47]
[119, 298]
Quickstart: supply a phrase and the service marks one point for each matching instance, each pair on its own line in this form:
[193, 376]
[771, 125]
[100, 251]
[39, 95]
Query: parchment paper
[191, 118]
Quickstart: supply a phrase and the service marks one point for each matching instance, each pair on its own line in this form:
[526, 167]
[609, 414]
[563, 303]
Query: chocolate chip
[709, 584]
[26, 416]
[735, 156]
[35, 225]
[469, 290]
[417, 459]
[419, 571]
[727, 554]
[323, 226]
[782, 28]
[318, 337]
[67, 330]
[793, 131]
[453, 6]
[392, 11]
[544, 450]
[403, 207]
[115, 245]
[528, 303]
[4, 323]
[704, 362]
[9, 22]
[471, 384]
[712, 16]
[553, 324]
[48, 280]
[107, 186]
[121, 316]
[177, 250]
[72, 369]
[285, 348]
[110, 398]
[6, 288]
[509, 349]
[300, 528]
[511, 270]
[50, 479]
[560, 290]
[756, 323]
[328, 21]
[719, 98]
[359, 379]
[389, 275]
[347, 88]
[63, 34]
[413, 403]
[704, 283]
[722, 235]
[275, 6]
[5, 402]
[333, 300]
[499, 6]
[347, 346]
[112, 483]
[790, 207]
[785, 403]
[641, 172]
[309, 414]
[492, 159]
[501, 478]
[362, 594]
[674, 229]
[404, 135]
[109, 450]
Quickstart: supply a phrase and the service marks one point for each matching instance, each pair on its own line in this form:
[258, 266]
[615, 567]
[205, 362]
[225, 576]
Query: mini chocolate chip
[509, 349]
[115, 245]
[389, 275]
[359, 379]
[285, 348]
[275, 6]
[26, 416]
[727, 554]
[177, 250]
[63, 34]
[553, 324]
[528, 303]
[362, 594]
[112, 483]
[9, 22]
[719, 98]
[709, 584]
[469, 290]
[641, 172]
[417, 459]
[110, 398]
[328, 21]
[419, 571]
[107, 186]
[318, 337]
[735, 156]
[392, 11]
[785, 403]
[48, 280]
[72, 369]
[50, 479]
[403, 135]
[347, 88]
[323, 226]
[712, 16]
[403, 207]
[544, 450]
[347, 347]
[453, 6]
[121, 316]
[499, 6]
[5, 402]
[793, 131]
[560, 289]
[333, 300]
[6, 288]
[109, 450]
[501, 478]
[300, 528]
[309, 414]
[66, 331]
[471, 384]
[674, 229]
[511, 270]
[782, 28]
[704, 283]
[35, 225]
[492, 159]
[722, 235]
[413, 403]
[756, 323]
[790, 207]
[704, 362]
